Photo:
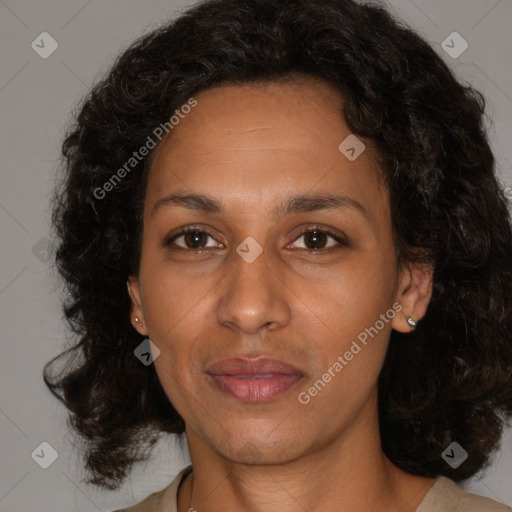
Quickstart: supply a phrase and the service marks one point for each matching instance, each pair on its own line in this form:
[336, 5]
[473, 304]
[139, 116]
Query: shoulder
[149, 504]
[164, 500]
[446, 496]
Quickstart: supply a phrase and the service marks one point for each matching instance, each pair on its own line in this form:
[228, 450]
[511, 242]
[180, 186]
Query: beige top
[444, 496]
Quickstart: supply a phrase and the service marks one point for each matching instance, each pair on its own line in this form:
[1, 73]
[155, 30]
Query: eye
[316, 240]
[195, 239]
[192, 239]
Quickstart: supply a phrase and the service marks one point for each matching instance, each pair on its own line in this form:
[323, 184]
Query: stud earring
[137, 321]
[411, 322]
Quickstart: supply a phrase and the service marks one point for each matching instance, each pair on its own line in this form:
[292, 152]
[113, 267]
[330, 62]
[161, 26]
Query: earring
[411, 322]
[137, 321]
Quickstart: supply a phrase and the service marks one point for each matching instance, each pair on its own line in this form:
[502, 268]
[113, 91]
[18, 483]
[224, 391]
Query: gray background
[36, 99]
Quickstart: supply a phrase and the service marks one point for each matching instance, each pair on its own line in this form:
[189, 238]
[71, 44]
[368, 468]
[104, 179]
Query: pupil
[315, 235]
[194, 237]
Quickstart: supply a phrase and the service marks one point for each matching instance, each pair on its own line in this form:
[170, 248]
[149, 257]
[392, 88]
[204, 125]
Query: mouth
[253, 380]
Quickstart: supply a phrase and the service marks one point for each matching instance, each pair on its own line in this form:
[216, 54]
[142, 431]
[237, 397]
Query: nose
[253, 296]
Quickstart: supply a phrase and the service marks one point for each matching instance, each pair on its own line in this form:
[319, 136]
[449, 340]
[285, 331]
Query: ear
[136, 310]
[414, 293]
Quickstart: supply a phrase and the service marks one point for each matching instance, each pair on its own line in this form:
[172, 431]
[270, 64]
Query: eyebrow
[295, 204]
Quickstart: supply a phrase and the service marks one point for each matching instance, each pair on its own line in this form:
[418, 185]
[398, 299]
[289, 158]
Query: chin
[260, 452]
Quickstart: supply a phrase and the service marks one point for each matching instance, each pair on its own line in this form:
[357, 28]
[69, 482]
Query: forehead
[246, 142]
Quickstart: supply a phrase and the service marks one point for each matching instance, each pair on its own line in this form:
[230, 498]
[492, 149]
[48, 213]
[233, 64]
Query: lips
[253, 380]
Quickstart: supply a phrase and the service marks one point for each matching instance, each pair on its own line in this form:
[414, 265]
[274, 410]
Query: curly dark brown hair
[449, 380]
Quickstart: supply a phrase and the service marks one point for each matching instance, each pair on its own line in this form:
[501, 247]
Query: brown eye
[317, 240]
[190, 239]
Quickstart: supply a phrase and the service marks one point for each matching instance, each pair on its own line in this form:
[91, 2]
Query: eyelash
[318, 229]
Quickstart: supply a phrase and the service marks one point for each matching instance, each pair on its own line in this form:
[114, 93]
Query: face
[289, 259]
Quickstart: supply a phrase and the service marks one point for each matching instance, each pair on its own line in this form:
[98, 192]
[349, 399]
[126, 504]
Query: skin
[252, 147]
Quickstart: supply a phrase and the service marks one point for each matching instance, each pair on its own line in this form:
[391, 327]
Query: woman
[282, 235]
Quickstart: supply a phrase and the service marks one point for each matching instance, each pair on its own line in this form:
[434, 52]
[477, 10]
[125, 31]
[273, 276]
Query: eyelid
[340, 239]
[183, 231]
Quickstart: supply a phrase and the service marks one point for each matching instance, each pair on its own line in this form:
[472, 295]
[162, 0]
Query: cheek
[174, 310]
[176, 316]
[173, 295]
[356, 294]
[356, 310]
[349, 347]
